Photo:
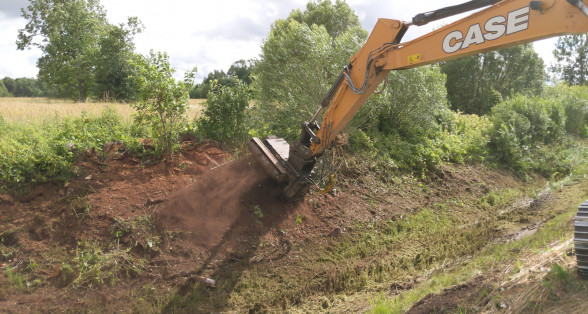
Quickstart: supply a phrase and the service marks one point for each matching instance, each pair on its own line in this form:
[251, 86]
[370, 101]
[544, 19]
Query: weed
[518, 267]
[298, 220]
[557, 280]
[81, 207]
[257, 212]
[97, 266]
[15, 279]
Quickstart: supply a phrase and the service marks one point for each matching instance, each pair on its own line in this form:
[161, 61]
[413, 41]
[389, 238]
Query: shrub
[162, 100]
[575, 101]
[225, 116]
[410, 122]
[415, 103]
[35, 153]
[521, 126]
[27, 155]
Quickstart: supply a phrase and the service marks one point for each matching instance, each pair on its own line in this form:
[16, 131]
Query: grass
[22, 109]
[369, 257]
[507, 252]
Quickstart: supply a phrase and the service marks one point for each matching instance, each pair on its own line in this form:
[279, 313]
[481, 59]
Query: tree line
[24, 87]
[86, 56]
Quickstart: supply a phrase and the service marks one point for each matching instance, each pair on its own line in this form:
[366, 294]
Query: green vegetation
[91, 59]
[239, 71]
[571, 53]
[23, 87]
[477, 83]
[507, 119]
[35, 153]
[299, 63]
[226, 114]
[409, 127]
[496, 253]
[162, 100]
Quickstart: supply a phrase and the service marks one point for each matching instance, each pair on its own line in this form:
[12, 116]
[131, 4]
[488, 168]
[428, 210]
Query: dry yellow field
[20, 109]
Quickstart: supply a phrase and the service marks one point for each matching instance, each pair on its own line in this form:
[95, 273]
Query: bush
[3, 91]
[225, 116]
[162, 100]
[414, 103]
[410, 123]
[575, 103]
[521, 126]
[465, 141]
[36, 153]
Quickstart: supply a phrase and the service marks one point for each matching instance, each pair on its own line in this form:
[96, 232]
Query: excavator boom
[502, 24]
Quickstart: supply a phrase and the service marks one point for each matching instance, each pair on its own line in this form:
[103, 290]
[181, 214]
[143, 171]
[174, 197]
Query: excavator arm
[502, 24]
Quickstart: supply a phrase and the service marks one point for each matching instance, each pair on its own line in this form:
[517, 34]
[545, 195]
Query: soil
[523, 288]
[195, 218]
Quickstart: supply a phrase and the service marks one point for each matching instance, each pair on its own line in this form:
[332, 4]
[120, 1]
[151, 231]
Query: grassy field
[21, 109]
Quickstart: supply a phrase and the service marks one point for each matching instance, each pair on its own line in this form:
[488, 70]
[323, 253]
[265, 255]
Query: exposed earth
[205, 233]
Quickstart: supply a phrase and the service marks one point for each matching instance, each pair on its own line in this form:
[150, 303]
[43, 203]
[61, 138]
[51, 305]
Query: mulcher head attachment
[288, 164]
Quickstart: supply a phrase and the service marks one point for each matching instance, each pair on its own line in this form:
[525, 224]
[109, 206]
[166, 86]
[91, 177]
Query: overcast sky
[211, 34]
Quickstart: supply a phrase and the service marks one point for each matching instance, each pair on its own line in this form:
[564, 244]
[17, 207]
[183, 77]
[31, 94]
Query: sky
[211, 35]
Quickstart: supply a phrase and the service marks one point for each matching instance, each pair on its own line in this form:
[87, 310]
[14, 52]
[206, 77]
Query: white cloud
[15, 63]
[212, 34]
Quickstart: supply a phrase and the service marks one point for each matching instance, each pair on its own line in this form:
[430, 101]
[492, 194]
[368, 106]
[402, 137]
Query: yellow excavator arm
[502, 24]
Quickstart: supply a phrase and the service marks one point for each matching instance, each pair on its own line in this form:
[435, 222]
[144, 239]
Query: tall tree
[476, 83]
[242, 70]
[300, 62]
[69, 31]
[337, 18]
[112, 70]
[571, 53]
[3, 91]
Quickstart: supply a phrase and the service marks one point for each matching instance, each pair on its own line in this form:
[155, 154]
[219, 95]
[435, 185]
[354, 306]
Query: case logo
[494, 28]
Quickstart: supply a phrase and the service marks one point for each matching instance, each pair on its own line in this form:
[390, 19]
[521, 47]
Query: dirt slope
[538, 281]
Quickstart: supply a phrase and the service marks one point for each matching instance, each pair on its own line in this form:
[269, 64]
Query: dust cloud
[218, 198]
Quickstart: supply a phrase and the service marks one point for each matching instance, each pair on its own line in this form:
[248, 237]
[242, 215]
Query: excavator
[497, 24]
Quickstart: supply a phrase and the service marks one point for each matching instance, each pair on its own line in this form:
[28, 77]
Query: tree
[3, 91]
[10, 84]
[241, 70]
[113, 70]
[337, 19]
[571, 53]
[414, 104]
[82, 54]
[219, 77]
[69, 32]
[162, 100]
[476, 83]
[25, 87]
[298, 65]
